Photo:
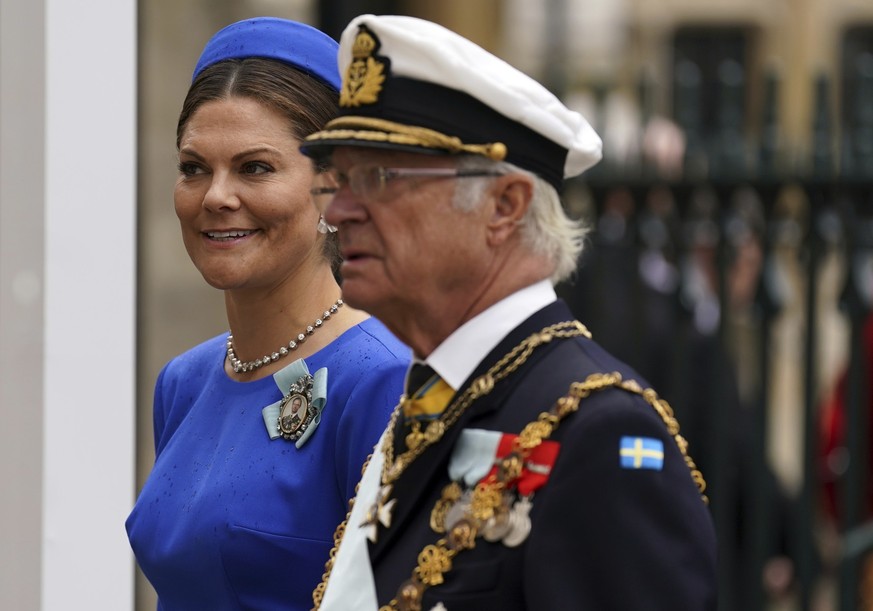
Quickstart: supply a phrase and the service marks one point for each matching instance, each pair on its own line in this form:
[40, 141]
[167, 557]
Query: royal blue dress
[230, 519]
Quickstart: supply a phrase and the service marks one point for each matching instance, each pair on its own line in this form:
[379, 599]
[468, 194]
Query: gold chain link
[436, 559]
[392, 468]
[480, 387]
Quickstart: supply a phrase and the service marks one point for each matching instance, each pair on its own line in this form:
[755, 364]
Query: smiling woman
[242, 198]
[261, 432]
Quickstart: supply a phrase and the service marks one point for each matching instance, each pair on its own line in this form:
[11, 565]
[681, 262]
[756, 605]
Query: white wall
[67, 302]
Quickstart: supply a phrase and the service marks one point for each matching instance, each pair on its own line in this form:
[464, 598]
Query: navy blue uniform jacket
[603, 537]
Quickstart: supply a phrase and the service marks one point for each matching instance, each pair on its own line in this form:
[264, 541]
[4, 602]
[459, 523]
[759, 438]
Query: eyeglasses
[371, 182]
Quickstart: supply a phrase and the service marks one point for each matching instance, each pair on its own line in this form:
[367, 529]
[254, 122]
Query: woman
[260, 434]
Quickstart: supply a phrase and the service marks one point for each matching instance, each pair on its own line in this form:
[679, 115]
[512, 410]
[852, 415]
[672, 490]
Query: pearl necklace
[240, 367]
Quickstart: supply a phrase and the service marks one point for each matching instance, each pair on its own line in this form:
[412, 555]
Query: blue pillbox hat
[297, 44]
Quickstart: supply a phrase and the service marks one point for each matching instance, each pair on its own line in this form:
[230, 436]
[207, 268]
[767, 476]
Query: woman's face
[242, 197]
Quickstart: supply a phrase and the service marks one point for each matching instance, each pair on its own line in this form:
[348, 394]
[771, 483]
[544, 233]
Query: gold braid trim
[480, 387]
[393, 467]
[358, 128]
[435, 560]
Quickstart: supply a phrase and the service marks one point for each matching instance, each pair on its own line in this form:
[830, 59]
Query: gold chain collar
[393, 467]
[480, 387]
[435, 560]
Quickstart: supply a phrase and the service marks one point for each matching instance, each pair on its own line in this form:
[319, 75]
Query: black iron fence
[739, 283]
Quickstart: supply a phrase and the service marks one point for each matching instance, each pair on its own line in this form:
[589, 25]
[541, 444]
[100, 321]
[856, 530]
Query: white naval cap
[411, 84]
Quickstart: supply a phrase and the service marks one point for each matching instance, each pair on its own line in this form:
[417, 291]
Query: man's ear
[512, 195]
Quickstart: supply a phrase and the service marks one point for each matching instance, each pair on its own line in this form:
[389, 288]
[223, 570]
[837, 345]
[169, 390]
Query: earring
[324, 226]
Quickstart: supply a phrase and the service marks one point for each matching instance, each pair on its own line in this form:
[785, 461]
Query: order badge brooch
[296, 416]
[295, 411]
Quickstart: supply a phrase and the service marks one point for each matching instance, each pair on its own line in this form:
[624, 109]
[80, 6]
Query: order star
[379, 513]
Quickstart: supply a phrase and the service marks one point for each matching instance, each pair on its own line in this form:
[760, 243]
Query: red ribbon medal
[537, 466]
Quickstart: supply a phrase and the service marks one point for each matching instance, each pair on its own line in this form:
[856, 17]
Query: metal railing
[740, 289]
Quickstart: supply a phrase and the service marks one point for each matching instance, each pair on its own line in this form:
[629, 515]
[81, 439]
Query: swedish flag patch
[641, 453]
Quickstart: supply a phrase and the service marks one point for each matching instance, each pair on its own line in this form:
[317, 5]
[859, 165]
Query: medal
[519, 523]
[497, 526]
[379, 513]
[458, 510]
[415, 436]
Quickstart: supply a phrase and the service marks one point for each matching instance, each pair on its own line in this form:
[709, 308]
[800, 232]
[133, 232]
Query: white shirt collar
[462, 351]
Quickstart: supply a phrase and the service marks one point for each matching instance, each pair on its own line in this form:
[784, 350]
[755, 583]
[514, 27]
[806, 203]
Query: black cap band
[419, 104]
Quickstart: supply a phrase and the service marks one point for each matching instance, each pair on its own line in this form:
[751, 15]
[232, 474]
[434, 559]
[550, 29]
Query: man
[531, 469]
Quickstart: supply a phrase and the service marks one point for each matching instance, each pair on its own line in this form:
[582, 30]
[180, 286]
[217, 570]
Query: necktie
[419, 375]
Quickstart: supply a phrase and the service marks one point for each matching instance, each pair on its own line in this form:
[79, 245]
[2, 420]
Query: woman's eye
[256, 167]
[189, 169]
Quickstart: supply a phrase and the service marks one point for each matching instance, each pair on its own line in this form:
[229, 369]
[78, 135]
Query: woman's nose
[221, 194]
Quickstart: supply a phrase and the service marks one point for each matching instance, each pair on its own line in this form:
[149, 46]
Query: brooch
[295, 412]
[296, 416]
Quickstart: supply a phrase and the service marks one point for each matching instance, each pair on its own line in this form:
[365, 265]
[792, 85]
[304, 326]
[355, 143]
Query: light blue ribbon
[284, 379]
[473, 455]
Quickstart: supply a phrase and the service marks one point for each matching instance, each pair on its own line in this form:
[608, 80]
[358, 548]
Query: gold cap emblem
[365, 75]
[364, 45]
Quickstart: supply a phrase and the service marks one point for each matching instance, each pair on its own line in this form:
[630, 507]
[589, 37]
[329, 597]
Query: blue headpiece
[300, 45]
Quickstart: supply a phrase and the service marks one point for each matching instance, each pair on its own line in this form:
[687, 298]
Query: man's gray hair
[545, 229]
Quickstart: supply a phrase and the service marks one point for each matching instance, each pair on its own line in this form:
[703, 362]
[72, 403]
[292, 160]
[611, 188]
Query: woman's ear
[512, 195]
